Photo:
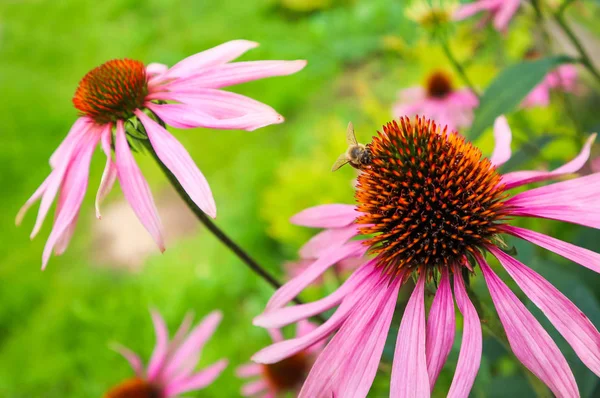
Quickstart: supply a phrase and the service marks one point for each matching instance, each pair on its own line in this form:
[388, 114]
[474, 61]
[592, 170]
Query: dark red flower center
[112, 91]
[135, 388]
[288, 374]
[439, 85]
[430, 197]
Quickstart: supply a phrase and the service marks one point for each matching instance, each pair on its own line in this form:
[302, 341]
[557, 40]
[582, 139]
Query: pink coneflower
[563, 78]
[276, 379]
[438, 100]
[431, 207]
[170, 371]
[123, 100]
[500, 12]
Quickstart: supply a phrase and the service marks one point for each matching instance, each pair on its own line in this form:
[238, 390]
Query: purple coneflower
[120, 97]
[170, 371]
[500, 12]
[439, 100]
[563, 78]
[431, 207]
[276, 379]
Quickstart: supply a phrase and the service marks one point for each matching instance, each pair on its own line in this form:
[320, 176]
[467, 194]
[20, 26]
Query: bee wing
[350, 136]
[342, 160]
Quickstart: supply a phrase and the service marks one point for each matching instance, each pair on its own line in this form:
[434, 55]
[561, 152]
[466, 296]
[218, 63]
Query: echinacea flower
[432, 14]
[170, 371]
[276, 379]
[563, 78]
[500, 12]
[123, 101]
[439, 101]
[431, 206]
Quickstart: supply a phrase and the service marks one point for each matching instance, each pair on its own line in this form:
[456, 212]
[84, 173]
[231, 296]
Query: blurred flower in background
[431, 14]
[563, 78]
[499, 12]
[430, 206]
[276, 379]
[126, 95]
[170, 371]
[439, 100]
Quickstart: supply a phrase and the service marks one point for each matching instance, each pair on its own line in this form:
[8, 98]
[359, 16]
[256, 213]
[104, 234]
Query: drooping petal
[325, 240]
[109, 175]
[135, 188]
[440, 329]
[254, 387]
[34, 198]
[528, 340]
[131, 357]
[326, 216]
[293, 287]
[518, 178]
[63, 242]
[467, 10]
[503, 138]
[580, 255]
[185, 116]
[347, 366]
[570, 322]
[409, 369]
[469, 356]
[197, 381]
[505, 14]
[248, 370]
[574, 201]
[180, 163]
[236, 73]
[81, 125]
[159, 355]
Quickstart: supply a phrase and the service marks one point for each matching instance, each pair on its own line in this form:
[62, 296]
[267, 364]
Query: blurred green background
[56, 325]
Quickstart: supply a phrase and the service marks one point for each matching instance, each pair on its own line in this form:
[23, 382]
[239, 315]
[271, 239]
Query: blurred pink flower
[441, 207]
[563, 78]
[500, 12]
[438, 100]
[274, 380]
[113, 95]
[170, 371]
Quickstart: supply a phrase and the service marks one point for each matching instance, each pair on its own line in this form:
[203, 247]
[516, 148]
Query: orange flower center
[112, 91]
[135, 388]
[287, 374]
[439, 85]
[430, 197]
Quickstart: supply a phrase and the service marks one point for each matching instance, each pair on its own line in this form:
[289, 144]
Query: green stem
[457, 66]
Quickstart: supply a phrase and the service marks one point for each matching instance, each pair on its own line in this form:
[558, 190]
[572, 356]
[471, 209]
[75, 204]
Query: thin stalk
[457, 66]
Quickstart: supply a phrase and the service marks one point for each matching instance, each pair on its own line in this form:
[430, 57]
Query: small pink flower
[114, 97]
[500, 12]
[438, 100]
[170, 371]
[431, 206]
[288, 375]
[563, 78]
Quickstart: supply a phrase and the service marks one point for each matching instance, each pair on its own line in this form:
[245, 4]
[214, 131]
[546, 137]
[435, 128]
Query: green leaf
[509, 88]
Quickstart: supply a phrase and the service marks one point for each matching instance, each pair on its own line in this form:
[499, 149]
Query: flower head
[500, 12]
[124, 103]
[438, 100]
[431, 206]
[287, 375]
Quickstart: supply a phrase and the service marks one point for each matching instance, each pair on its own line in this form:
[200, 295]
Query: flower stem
[457, 65]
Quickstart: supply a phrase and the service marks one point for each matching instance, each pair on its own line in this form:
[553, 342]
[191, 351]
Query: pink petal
[135, 188]
[326, 216]
[156, 69]
[570, 322]
[528, 340]
[505, 14]
[467, 10]
[518, 178]
[73, 191]
[347, 366]
[81, 125]
[197, 381]
[581, 256]
[253, 388]
[469, 357]
[34, 198]
[327, 239]
[184, 116]
[159, 355]
[409, 370]
[217, 55]
[193, 345]
[236, 73]
[293, 287]
[248, 370]
[63, 242]
[110, 170]
[503, 137]
[440, 329]
[179, 162]
[131, 357]
[574, 201]
[539, 96]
